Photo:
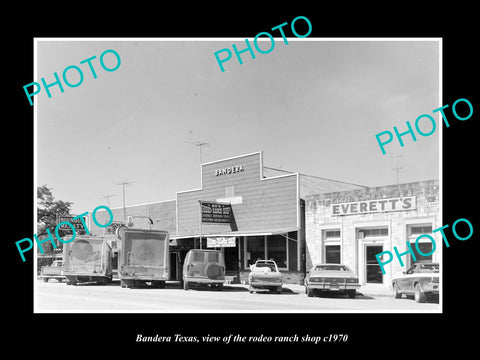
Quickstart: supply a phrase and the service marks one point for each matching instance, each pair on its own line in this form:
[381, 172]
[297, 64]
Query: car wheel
[279, 290]
[186, 285]
[420, 296]
[352, 293]
[250, 289]
[309, 292]
[396, 291]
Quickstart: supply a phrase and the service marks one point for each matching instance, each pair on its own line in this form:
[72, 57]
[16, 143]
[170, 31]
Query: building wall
[320, 219]
[162, 213]
[258, 204]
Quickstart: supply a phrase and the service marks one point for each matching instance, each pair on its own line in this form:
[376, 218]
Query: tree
[48, 210]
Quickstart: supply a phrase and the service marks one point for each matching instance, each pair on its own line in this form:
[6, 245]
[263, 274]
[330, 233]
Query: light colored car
[204, 267]
[421, 281]
[264, 275]
[331, 277]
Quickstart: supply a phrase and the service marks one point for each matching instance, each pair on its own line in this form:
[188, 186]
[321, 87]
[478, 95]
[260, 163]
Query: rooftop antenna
[123, 183]
[199, 144]
[107, 198]
[397, 168]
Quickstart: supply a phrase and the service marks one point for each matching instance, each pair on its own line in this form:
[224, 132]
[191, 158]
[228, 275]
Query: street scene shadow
[336, 295]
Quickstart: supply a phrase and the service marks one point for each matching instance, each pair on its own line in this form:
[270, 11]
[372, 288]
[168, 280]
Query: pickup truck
[53, 271]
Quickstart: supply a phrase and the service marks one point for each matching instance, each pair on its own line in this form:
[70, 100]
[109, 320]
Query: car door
[408, 281]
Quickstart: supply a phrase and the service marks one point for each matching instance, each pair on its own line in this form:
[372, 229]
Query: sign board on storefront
[215, 242]
[374, 206]
[77, 223]
[216, 213]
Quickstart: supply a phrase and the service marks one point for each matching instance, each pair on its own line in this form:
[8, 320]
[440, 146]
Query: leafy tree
[48, 210]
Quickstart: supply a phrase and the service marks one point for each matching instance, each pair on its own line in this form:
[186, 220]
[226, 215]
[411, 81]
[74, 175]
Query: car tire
[251, 289]
[279, 289]
[45, 279]
[352, 293]
[309, 292]
[186, 285]
[420, 296]
[396, 291]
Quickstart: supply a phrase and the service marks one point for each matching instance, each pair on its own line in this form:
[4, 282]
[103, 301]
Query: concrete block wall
[318, 217]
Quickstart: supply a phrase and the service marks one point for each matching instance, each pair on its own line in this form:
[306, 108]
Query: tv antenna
[107, 198]
[397, 168]
[199, 144]
[123, 183]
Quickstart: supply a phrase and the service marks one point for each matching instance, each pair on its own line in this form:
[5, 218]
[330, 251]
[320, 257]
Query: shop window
[419, 230]
[425, 248]
[329, 234]
[374, 232]
[332, 254]
[277, 250]
[424, 245]
[255, 249]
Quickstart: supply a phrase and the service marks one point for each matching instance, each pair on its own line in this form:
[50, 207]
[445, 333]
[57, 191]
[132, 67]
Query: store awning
[236, 233]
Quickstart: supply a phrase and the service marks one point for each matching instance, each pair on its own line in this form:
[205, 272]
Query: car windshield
[265, 265]
[427, 268]
[331, 268]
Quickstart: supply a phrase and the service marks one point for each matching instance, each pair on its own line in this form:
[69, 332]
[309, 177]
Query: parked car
[331, 277]
[421, 281]
[204, 267]
[53, 272]
[264, 274]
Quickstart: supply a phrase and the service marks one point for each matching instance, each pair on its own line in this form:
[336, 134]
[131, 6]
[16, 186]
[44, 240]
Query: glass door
[373, 270]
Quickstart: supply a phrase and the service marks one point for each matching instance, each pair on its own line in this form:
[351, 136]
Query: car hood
[342, 274]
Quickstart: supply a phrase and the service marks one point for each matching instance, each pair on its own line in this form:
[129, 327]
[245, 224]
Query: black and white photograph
[242, 180]
[285, 151]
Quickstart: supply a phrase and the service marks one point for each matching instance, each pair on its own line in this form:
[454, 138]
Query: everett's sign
[374, 206]
[216, 213]
[221, 242]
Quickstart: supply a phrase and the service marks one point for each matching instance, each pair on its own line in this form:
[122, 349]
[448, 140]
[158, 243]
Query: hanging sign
[215, 213]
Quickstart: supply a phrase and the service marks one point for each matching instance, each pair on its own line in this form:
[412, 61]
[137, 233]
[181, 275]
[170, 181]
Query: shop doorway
[373, 271]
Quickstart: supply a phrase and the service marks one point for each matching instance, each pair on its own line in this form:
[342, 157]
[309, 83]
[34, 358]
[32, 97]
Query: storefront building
[267, 219]
[351, 227]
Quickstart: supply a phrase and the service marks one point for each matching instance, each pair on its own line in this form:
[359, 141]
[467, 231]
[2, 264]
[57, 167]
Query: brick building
[351, 227]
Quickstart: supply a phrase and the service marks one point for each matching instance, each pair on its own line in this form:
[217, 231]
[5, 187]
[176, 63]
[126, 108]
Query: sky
[313, 106]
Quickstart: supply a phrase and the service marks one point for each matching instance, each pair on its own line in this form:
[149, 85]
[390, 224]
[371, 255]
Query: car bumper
[432, 288]
[264, 283]
[203, 280]
[333, 287]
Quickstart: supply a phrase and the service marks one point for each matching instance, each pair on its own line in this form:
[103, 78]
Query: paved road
[59, 297]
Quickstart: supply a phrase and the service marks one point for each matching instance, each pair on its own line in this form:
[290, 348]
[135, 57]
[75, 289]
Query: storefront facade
[351, 227]
[267, 216]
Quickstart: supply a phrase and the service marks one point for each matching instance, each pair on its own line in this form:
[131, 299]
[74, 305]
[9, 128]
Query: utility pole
[123, 188]
[396, 168]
